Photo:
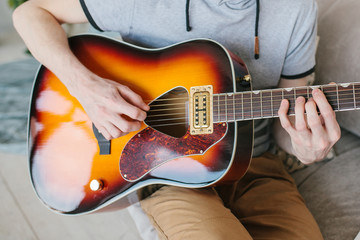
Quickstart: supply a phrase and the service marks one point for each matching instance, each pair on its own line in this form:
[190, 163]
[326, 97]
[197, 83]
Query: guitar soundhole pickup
[201, 110]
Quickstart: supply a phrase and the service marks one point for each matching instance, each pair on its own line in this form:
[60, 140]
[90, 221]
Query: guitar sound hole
[169, 113]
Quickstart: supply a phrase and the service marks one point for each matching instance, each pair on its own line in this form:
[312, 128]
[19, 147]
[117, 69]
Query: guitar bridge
[201, 110]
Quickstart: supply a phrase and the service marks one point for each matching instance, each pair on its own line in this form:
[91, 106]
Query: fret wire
[271, 102]
[255, 103]
[276, 107]
[354, 95]
[242, 105]
[226, 111]
[291, 96]
[282, 94]
[357, 93]
[219, 120]
[330, 96]
[341, 100]
[261, 105]
[337, 96]
[223, 106]
[229, 109]
[218, 108]
[307, 91]
[234, 107]
[214, 107]
[214, 104]
[251, 104]
[248, 106]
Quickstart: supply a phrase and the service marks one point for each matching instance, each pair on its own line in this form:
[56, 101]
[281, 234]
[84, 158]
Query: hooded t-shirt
[286, 30]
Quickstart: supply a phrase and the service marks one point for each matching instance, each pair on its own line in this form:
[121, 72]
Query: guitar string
[245, 116]
[333, 102]
[236, 112]
[331, 95]
[329, 98]
[258, 98]
[222, 117]
[279, 97]
[245, 106]
[252, 96]
[276, 91]
[220, 120]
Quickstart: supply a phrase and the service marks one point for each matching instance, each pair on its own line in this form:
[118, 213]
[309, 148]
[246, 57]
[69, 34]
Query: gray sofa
[331, 188]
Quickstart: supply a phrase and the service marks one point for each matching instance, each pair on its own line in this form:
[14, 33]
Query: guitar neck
[229, 107]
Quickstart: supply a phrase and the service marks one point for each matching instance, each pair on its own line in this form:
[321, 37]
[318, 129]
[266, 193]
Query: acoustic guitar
[198, 131]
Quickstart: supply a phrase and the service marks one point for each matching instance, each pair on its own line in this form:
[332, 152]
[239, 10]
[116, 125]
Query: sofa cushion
[332, 195]
[338, 54]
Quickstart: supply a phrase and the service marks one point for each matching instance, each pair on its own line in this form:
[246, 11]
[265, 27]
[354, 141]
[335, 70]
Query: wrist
[73, 75]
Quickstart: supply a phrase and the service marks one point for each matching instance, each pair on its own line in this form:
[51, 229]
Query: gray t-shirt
[287, 34]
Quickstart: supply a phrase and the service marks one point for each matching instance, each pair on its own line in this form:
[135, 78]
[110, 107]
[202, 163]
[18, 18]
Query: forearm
[112, 107]
[47, 41]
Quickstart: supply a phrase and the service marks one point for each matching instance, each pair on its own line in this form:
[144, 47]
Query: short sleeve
[109, 15]
[300, 56]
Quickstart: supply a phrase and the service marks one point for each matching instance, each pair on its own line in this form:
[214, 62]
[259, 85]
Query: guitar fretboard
[229, 107]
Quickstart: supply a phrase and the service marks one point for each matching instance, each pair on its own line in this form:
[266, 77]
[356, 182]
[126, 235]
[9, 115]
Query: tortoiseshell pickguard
[150, 148]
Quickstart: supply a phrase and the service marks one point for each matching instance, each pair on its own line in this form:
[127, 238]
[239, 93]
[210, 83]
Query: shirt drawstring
[188, 27]
[256, 47]
[256, 44]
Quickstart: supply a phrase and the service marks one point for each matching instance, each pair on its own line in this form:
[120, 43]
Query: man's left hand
[313, 134]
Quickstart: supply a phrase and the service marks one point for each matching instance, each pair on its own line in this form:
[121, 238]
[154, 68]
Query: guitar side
[64, 152]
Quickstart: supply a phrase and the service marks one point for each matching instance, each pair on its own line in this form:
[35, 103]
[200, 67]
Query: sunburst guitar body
[74, 170]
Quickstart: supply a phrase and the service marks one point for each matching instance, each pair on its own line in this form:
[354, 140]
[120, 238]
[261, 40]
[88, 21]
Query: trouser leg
[268, 204]
[265, 204]
[179, 213]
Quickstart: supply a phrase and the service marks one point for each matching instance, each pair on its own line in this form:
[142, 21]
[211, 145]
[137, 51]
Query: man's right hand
[114, 108]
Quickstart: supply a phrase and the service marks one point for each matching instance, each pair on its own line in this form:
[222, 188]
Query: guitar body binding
[64, 154]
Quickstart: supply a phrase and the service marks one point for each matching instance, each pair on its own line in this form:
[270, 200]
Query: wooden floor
[22, 215]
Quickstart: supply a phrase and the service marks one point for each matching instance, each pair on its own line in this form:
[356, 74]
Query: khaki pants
[264, 204]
